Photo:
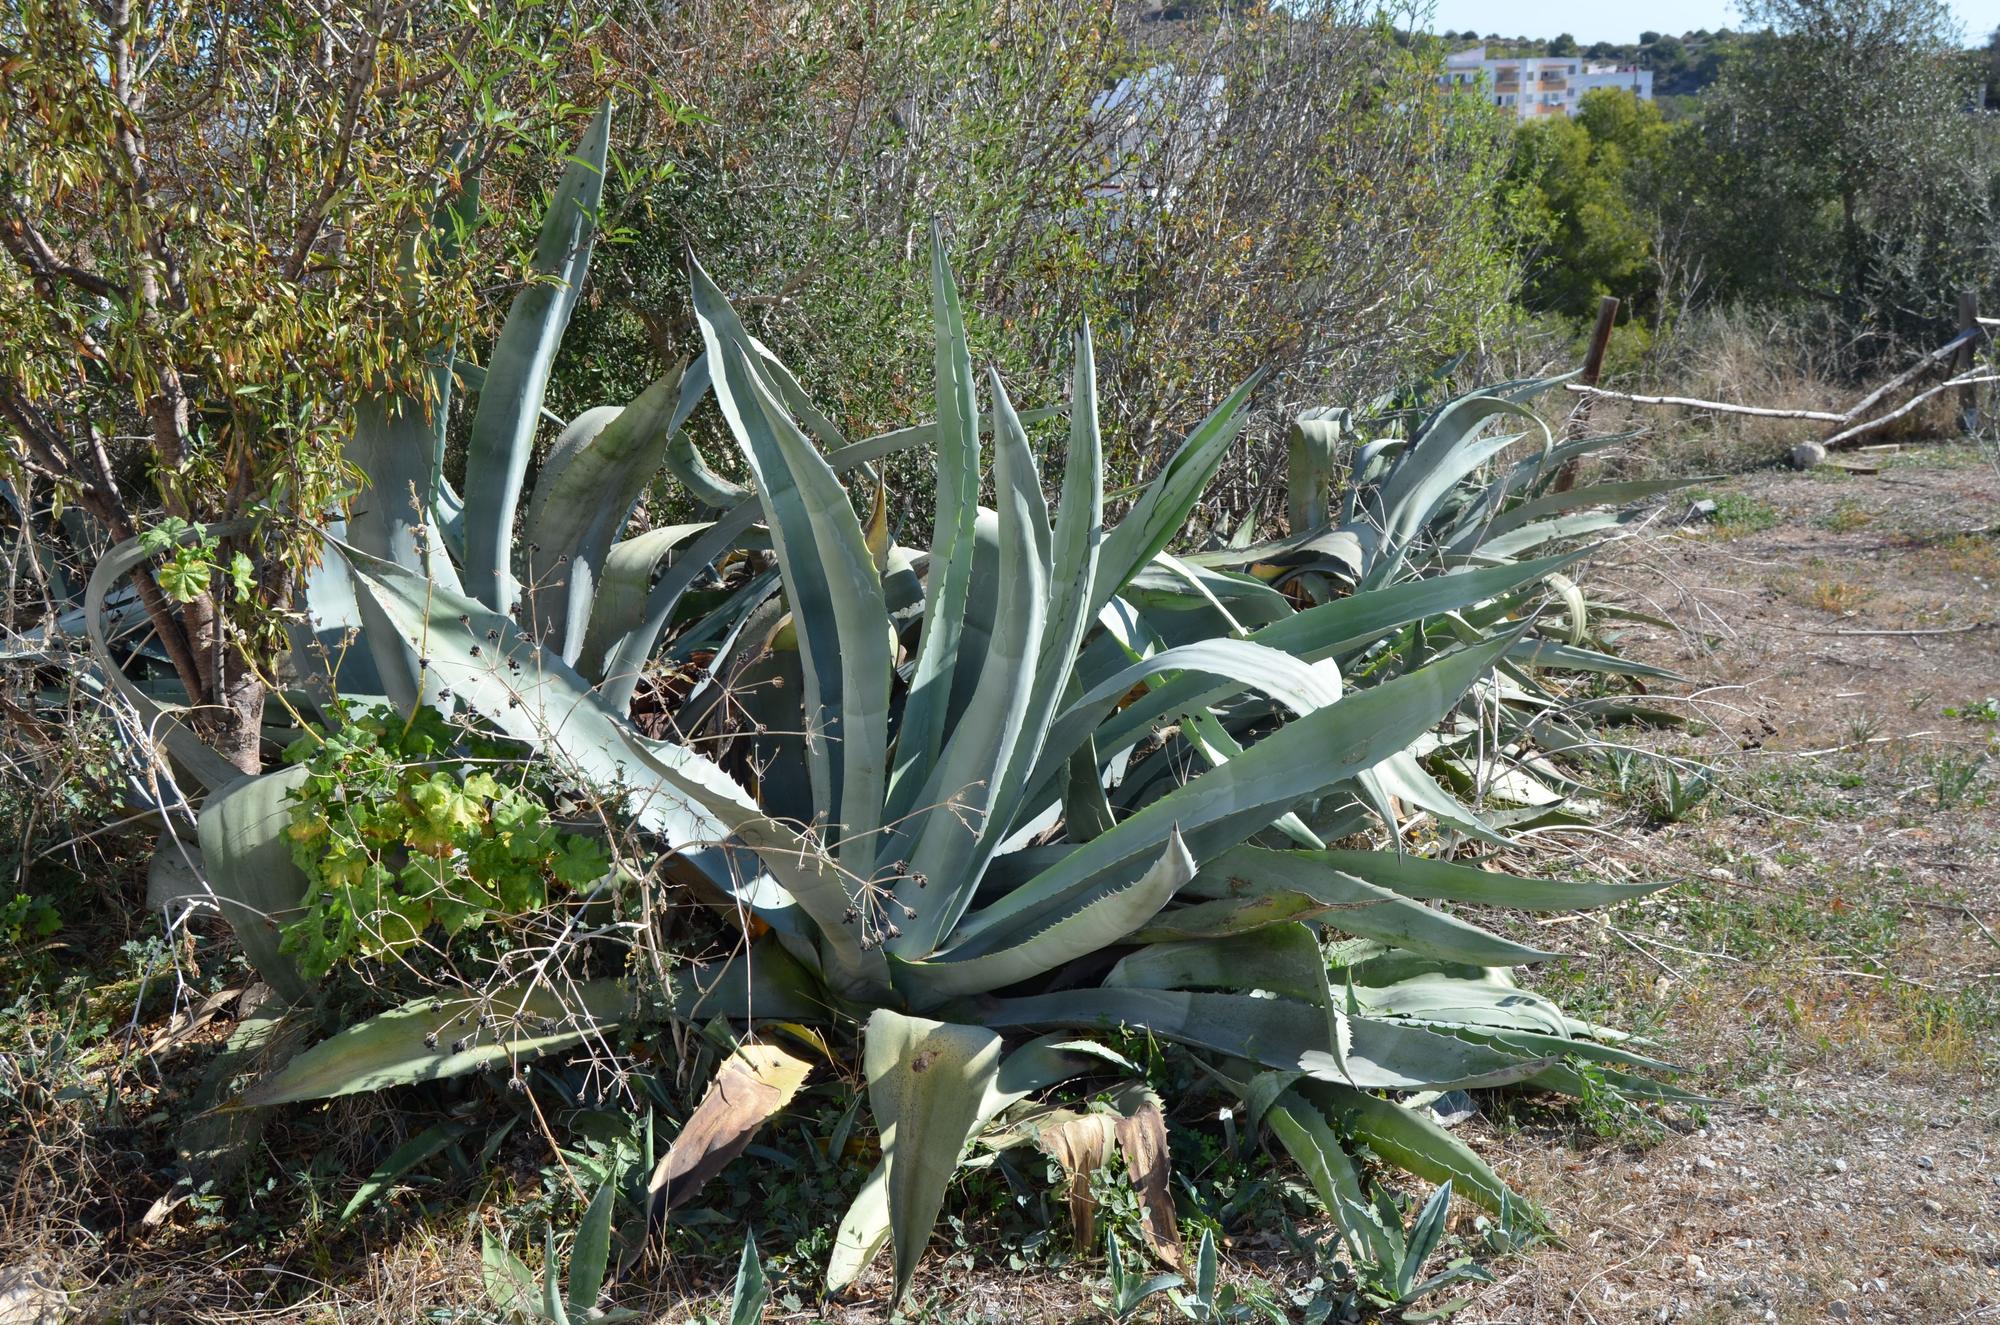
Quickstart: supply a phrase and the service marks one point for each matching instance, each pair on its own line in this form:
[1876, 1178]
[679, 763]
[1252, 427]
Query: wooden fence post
[1961, 364]
[1593, 366]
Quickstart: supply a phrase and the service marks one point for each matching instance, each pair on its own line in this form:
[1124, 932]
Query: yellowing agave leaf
[752, 1084]
[1141, 1129]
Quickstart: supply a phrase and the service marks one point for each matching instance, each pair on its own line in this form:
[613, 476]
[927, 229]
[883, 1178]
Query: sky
[1595, 20]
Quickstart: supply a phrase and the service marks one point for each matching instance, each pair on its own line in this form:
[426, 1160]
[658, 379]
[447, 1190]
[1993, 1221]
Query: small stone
[1837, 1309]
[29, 1296]
[1933, 1207]
[1808, 455]
[1836, 1165]
[1926, 1163]
[1704, 1163]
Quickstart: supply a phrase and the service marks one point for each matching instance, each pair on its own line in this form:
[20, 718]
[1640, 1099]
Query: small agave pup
[1061, 784]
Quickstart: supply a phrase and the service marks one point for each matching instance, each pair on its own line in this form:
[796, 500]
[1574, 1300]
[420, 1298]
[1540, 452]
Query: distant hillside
[1682, 66]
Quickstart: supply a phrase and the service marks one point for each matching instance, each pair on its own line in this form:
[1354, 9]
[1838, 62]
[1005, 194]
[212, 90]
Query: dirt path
[1830, 965]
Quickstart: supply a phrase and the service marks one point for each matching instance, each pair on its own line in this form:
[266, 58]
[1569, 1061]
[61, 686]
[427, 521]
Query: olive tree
[1836, 161]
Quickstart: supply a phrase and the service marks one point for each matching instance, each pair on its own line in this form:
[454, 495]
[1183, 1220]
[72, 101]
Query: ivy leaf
[243, 576]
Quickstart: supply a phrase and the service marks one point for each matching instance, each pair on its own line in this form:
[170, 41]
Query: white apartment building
[1545, 85]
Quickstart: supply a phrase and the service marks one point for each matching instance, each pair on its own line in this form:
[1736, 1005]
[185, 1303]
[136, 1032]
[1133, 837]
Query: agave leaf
[1407, 520]
[400, 1161]
[954, 830]
[1444, 997]
[1335, 1180]
[1141, 1131]
[1315, 439]
[1012, 957]
[1566, 1080]
[1332, 630]
[925, 1083]
[1276, 1032]
[752, 1084]
[257, 886]
[394, 445]
[590, 1254]
[1241, 664]
[552, 1310]
[830, 581]
[433, 1038]
[1079, 533]
[956, 454]
[517, 373]
[1409, 1139]
[624, 586]
[1549, 653]
[594, 475]
[1079, 1143]
[684, 461]
[626, 653]
[1357, 907]
[1447, 881]
[1543, 532]
[510, 1285]
[746, 1302]
[1223, 806]
[1162, 508]
[1036, 1065]
[1555, 503]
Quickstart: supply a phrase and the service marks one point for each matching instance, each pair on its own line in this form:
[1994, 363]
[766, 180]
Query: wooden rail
[1852, 425]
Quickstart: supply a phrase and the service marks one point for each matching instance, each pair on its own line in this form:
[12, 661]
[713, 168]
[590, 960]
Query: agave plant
[1039, 786]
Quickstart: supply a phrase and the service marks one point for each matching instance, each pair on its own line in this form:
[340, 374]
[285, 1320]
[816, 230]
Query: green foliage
[26, 918]
[396, 830]
[1335, 238]
[1062, 782]
[1835, 162]
[1130, 1289]
[1986, 710]
[519, 1294]
[1581, 186]
[1397, 1282]
[1209, 1301]
[210, 225]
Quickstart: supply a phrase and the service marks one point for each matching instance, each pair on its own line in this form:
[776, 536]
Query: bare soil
[1829, 969]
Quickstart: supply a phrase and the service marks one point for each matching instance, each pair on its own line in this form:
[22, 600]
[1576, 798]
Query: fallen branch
[1689, 403]
[1961, 343]
[1863, 429]
[1969, 336]
[1912, 634]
